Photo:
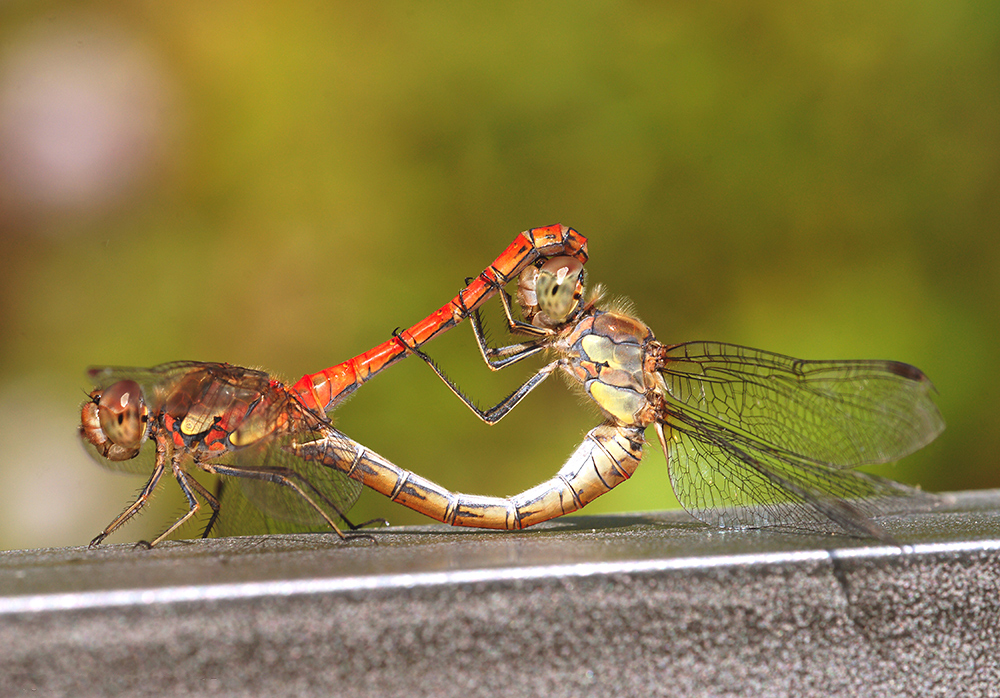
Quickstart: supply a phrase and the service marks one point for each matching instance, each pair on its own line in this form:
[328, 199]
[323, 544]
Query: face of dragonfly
[115, 420]
[552, 294]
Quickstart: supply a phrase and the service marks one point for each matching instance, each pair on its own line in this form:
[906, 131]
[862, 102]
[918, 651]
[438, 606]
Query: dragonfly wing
[726, 479]
[240, 516]
[151, 379]
[839, 413]
[142, 463]
[279, 508]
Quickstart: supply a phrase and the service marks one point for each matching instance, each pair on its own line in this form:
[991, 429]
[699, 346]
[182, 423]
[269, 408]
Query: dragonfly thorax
[217, 408]
[607, 355]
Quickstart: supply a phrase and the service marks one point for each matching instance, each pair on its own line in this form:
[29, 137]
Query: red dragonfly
[238, 422]
[751, 438]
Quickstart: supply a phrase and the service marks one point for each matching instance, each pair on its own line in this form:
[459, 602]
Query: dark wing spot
[906, 371]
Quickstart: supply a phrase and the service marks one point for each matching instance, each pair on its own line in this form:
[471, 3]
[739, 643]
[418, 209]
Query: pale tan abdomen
[607, 457]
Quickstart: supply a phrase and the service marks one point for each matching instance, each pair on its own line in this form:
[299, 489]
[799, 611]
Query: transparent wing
[239, 517]
[142, 464]
[728, 480]
[152, 380]
[259, 503]
[839, 413]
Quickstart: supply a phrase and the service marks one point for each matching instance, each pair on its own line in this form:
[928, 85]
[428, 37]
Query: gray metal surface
[640, 605]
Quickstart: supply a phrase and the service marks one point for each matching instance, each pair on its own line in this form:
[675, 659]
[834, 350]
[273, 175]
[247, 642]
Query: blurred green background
[281, 186]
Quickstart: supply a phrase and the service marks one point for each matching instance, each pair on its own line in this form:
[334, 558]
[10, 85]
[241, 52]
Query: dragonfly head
[115, 420]
[551, 294]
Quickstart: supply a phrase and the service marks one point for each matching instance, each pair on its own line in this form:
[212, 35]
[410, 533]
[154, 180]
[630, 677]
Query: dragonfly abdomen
[606, 458]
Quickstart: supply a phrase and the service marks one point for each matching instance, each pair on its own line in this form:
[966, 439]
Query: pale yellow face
[559, 287]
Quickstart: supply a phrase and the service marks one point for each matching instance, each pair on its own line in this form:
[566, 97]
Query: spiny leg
[140, 501]
[509, 354]
[493, 414]
[502, 357]
[213, 503]
[188, 486]
[515, 326]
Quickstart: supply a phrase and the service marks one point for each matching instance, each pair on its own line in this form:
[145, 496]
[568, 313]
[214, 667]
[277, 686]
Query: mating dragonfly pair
[751, 438]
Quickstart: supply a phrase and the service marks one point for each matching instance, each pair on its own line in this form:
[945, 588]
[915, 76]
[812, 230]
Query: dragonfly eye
[123, 415]
[559, 288]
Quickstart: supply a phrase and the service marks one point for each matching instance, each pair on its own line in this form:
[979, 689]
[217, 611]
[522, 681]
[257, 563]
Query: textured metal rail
[603, 605]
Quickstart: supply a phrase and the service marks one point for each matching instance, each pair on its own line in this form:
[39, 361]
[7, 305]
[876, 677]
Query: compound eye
[559, 287]
[123, 414]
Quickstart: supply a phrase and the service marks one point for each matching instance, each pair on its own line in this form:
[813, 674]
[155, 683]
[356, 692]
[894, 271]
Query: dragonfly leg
[141, 500]
[515, 326]
[499, 411]
[607, 457]
[364, 524]
[502, 357]
[287, 478]
[189, 486]
[213, 503]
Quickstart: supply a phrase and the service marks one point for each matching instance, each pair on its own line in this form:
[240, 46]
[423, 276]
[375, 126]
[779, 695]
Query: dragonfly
[237, 422]
[752, 438]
